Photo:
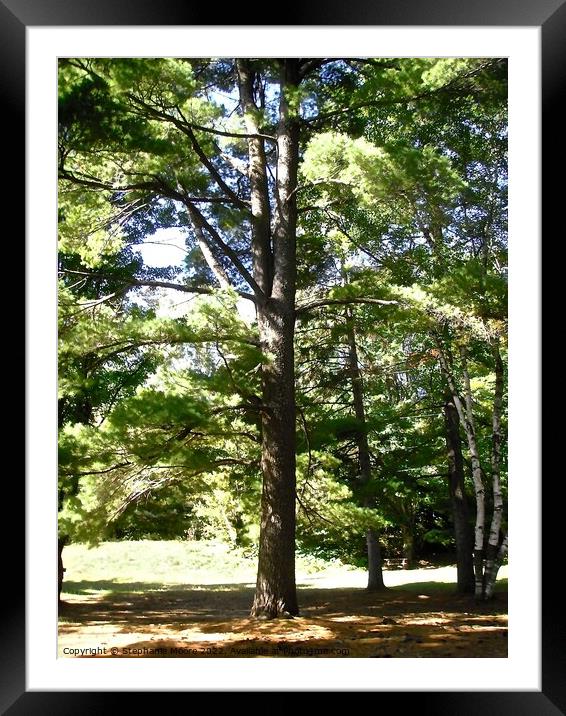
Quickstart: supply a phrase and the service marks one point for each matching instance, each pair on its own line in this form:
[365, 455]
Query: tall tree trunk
[464, 408]
[493, 558]
[61, 542]
[467, 417]
[274, 265]
[375, 568]
[375, 563]
[275, 587]
[458, 500]
[262, 253]
[498, 561]
[408, 547]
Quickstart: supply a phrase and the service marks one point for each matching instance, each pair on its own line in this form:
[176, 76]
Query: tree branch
[200, 220]
[254, 399]
[195, 433]
[342, 302]
[205, 290]
[100, 472]
[214, 265]
[182, 126]
[212, 169]
[451, 86]
[157, 185]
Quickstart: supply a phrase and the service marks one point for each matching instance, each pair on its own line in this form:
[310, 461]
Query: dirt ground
[213, 621]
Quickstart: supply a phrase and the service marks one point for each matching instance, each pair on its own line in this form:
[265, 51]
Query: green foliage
[376, 175]
[402, 197]
[330, 524]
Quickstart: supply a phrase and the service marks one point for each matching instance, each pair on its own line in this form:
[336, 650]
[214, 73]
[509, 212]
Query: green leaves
[395, 179]
[402, 196]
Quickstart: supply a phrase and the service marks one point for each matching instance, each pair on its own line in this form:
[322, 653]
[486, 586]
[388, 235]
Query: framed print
[34, 34]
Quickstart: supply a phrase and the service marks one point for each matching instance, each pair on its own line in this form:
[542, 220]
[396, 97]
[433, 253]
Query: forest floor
[192, 599]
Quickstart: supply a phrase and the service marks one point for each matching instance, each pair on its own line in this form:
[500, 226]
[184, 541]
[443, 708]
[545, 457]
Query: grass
[153, 565]
[173, 595]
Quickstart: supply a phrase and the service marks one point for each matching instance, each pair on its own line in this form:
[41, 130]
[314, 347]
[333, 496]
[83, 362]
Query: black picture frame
[550, 16]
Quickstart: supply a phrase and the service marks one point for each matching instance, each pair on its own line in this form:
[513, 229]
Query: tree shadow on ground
[166, 605]
[111, 585]
[445, 587]
[213, 620]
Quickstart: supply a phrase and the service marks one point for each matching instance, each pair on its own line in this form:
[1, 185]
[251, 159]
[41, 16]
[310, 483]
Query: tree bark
[275, 588]
[408, 547]
[490, 585]
[274, 264]
[467, 418]
[375, 567]
[262, 256]
[464, 408]
[61, 542]
[458, 500]
[493, 560]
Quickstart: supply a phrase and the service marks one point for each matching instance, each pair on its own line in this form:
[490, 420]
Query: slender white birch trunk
[501, 552]
[492, 556]
[464, 411]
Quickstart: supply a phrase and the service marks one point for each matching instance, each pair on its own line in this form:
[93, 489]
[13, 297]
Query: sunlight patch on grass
[132, 567]
[173, 563]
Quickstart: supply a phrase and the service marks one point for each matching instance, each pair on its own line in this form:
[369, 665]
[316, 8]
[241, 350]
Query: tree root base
[273, 611]
[377, 588]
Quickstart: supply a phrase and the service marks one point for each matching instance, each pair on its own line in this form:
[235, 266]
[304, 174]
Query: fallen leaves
[334, 623]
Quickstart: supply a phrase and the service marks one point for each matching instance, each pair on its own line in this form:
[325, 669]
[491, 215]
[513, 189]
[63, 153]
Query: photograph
[282, 357]
[282, 354]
